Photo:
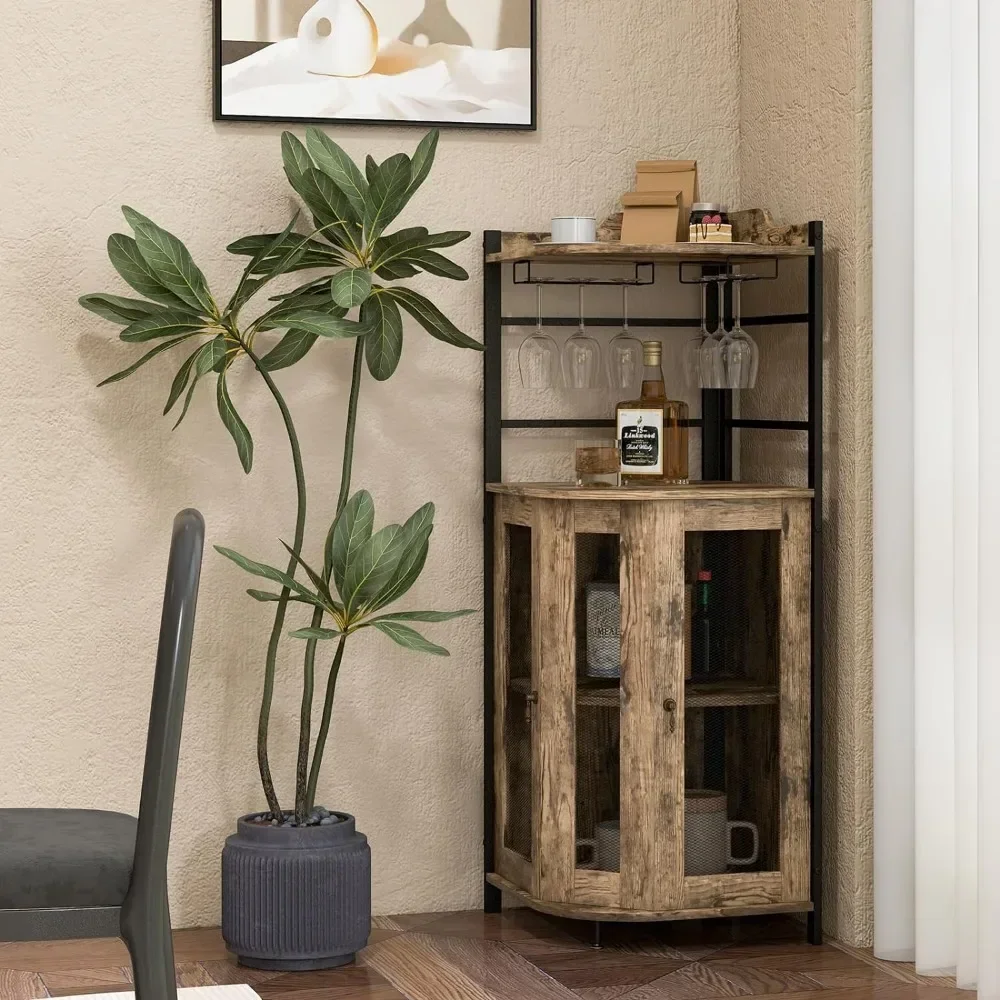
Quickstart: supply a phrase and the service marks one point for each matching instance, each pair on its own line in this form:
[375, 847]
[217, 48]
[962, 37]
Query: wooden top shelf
[614, 494]
[536, 246]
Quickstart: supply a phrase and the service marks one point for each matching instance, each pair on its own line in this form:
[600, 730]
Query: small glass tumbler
[597, 463]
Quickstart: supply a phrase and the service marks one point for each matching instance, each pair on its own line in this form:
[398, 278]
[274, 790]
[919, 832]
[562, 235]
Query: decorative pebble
[327, 821]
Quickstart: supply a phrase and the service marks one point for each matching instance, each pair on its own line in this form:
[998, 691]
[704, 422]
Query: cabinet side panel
[553, 559]
[795, 708]
[652, 737]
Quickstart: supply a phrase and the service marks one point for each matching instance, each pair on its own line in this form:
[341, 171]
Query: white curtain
[936, 223]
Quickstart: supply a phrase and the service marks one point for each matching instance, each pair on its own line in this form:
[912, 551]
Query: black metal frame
[218, 116]
[717, 425]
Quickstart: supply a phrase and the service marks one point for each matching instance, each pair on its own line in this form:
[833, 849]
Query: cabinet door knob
[670, 706]
[531, 698]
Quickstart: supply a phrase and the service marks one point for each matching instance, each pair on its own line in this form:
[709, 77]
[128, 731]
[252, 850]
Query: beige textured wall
[100, 110]
[805, 152]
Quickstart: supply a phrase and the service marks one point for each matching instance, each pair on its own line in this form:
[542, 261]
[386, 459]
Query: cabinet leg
[492, 899]
[597, 935]
[814, 928]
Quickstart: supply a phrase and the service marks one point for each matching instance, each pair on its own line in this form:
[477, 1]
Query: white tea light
[574, 229]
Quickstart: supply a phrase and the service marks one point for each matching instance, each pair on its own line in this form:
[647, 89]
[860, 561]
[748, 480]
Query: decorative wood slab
[693, 491]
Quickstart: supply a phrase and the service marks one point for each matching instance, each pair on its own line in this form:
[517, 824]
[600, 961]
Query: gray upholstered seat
[64, 858]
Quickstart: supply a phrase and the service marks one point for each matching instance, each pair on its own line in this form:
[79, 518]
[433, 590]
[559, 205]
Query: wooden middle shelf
[719, 694]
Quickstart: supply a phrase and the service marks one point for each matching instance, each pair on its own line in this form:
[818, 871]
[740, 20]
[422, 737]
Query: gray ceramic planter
[296, 898]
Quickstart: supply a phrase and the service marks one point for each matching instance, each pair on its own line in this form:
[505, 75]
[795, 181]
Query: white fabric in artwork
[445, 83]
[187, 993]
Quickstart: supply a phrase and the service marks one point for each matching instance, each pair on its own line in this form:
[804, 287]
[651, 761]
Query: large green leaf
[347, 536]
[290, 350]
[312, 321]
[384, 345]
[414, 541]
[148, 356]
[266, 597]
[205, 359]
[332, 212]
[373, 568]
[169, 323]
[437, 264]
[387, 194]
[313, 255]
[295, 158]
[423, 160]
[339, 167]
[396, 271]
[421, 616]
[180, 381]
[123, 251]
[410, 638]
[317, 581]
[402, 244]
[234, 424]
[248, 285]
[351, 287]
[322, 634]
[117, 309]
[171, 263]
[431, 318]
[371, 168]
[270, 573]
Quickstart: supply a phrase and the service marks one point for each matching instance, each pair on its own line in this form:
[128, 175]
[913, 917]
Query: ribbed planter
[296, 898]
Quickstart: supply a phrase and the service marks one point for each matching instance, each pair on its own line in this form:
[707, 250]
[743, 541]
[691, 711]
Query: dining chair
[89, 873]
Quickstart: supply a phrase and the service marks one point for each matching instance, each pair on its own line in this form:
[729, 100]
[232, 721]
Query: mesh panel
[598, 659]
[517, 718]
[731, 722]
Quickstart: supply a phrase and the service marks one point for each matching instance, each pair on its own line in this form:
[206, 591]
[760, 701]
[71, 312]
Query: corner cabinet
[679, 788]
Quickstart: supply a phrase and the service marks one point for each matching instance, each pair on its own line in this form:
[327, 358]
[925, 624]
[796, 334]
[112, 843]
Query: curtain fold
[950, 923]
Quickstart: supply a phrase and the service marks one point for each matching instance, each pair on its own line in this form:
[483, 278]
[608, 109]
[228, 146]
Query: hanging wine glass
[713, 375]
[538, 357]
[692, 350]
[624, 355]
[581, 357]
[742, 357]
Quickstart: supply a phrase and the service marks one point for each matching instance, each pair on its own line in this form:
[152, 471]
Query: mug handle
[742, 825]
[592, 844]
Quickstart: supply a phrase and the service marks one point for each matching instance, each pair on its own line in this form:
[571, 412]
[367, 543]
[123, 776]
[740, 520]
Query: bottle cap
[652, 352]
[704, 576]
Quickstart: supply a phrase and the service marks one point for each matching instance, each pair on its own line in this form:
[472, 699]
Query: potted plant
[297, 880]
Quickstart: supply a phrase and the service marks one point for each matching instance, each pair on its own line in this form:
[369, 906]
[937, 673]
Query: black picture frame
[272, 119]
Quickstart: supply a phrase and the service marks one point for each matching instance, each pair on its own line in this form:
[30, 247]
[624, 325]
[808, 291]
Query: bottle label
[641, 435]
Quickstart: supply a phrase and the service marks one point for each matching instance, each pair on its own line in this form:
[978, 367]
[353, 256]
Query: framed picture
[465, 63]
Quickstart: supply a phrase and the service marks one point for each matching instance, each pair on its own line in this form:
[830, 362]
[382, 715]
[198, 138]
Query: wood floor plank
[194, 974]
[758, 981]
[607, 968]
[387, 924]
[602, 992]
[347, 975]
[79, 978]
[199, 944]
[16, 984]
[381, 991]
[432, 967]
[56, 956]
[819, 958]
[226, 972]
[695, 981]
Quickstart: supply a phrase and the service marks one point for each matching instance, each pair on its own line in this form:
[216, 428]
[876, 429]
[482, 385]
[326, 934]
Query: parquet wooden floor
[519, 955]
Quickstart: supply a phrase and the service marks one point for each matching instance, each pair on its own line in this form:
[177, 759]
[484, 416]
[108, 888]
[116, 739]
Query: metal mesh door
[732, 776]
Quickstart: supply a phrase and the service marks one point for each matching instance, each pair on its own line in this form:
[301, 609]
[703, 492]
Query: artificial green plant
[353, 293]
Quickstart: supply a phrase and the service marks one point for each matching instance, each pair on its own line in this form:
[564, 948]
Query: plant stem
[306, 777]
[324, 726]
[264, 719]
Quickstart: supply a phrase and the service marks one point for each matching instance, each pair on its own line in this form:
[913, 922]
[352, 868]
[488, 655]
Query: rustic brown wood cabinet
[575, 755]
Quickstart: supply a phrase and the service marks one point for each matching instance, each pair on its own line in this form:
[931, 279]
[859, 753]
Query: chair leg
[146, 932]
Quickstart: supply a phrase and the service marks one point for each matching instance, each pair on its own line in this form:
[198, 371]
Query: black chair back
[145, 915]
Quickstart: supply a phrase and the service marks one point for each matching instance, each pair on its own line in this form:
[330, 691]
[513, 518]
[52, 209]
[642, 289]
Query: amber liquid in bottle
[670, 414]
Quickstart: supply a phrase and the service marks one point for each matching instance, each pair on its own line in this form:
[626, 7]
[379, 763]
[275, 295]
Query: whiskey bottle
[652, 430]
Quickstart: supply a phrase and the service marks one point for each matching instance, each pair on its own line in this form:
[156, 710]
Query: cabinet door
[629, 606]
[746, 705]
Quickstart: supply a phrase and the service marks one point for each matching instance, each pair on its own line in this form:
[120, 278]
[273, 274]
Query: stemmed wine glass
[581, 357]
[624, 354]
[538, 357]
[741, 355]
[713, 375]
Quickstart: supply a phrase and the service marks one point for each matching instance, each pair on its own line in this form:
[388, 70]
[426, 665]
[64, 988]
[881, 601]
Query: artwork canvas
[468, 63]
